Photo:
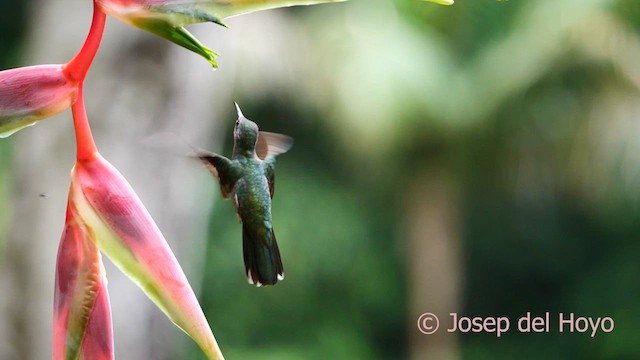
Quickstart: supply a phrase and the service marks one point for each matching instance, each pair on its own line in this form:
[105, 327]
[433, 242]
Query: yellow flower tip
[441, 2]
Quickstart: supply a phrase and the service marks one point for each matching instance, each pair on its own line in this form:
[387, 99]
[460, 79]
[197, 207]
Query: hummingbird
[249, 177]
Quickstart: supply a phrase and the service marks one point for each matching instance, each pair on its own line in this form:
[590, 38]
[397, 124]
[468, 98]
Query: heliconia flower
[166, 18]
[126, 233]
[121, 227]
[33, 93]
[81, 316]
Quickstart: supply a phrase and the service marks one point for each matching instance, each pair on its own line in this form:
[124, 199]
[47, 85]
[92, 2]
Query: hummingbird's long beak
[240, 115]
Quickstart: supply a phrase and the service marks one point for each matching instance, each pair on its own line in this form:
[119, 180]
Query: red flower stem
[86, 147]
[78, 67]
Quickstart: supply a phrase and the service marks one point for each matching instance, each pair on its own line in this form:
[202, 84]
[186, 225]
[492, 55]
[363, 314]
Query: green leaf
[178, 35]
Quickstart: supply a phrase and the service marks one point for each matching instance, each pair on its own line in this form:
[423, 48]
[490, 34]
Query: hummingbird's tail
[261, 257]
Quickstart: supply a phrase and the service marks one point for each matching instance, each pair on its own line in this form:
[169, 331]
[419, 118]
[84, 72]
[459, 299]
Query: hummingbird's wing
[225, 170]
[272, 144]
[269, 146]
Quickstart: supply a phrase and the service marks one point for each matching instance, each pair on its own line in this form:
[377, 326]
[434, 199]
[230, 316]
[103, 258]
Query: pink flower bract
[82, 326]
[124, 231]
[33, 93]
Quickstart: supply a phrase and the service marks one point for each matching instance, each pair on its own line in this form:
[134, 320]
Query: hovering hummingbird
[249, 177]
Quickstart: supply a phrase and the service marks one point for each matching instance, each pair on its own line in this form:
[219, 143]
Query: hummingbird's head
[245, 133]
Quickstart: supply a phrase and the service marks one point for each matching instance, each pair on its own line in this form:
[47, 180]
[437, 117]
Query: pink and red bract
[119, 225]
[81, 313]
[104, 215]
[33, 93]
[125, 232]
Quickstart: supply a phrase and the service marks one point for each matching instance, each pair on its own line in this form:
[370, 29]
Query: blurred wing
[272, 144]
[222, 168]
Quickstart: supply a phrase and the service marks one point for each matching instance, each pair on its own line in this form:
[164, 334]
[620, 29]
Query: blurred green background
[482, 159]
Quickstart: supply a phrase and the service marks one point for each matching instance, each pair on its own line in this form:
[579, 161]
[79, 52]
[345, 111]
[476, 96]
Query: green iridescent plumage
[249, 176]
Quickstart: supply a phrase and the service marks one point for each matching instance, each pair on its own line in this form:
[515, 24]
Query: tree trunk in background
[434, 261]
[139, 85]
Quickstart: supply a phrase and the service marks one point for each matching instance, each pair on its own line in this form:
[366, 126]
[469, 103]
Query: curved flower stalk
[81, 316]
[33, 93]
[166, 18]
[121, 227]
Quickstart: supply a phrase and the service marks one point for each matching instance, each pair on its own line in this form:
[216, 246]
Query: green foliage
[12, 25]
[629, 11]
[507, 97]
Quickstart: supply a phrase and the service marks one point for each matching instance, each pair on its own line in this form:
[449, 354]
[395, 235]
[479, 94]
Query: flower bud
[33, 93]
[81, 316]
